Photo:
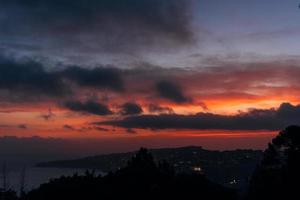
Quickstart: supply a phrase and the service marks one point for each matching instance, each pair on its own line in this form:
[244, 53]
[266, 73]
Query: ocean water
[33, 177]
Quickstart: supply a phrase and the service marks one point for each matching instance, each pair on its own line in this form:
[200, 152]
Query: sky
[221, 74]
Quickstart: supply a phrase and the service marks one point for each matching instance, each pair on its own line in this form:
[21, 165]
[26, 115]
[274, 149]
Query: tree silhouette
[278, 174]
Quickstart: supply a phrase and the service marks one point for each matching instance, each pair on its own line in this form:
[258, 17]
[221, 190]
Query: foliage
[278, 175]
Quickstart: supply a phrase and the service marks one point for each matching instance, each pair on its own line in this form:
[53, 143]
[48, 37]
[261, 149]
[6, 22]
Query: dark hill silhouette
[142, 178]
[278, 175]
[221, 167]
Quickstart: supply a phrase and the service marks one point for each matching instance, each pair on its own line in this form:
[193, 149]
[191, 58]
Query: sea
[32, 177]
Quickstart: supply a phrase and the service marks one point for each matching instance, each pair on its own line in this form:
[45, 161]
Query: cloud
[98, 128]
[22, 126]
[131, 108]
[131, 131]
[255, 119]
[112, 25]
[153, 108]
[88, 107]
[69, 127]
[203, 106]
[237, 83]
[171, 91]
[97, 77]
[289, 112]
[48, 116]
[29, 78]
[85, 128]
[26, 80]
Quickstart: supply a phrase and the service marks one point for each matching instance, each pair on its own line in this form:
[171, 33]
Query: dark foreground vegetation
[141, 179]
[276, 177]
[228, 168]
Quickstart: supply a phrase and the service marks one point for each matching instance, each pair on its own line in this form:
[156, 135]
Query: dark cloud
[153, 108]
[131, 108]
[22, 126]
[29, 78]
[4, 126]
[289, 112]
[131, 131]
[85, 128]
[88, 107]
[48, 116]
[92, 128]
[171, 91]
[255, 119]
[98, 128]
[97, 77]
[68, 127]
[203, 106]
[111, 24]
[24, 80]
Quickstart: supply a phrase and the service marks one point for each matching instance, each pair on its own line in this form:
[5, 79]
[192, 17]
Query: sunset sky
[224, 74]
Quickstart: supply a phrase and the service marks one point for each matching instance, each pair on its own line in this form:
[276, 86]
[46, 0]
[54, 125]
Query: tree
[278, 174]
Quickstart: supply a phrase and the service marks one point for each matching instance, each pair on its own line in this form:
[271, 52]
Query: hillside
[231, 168]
